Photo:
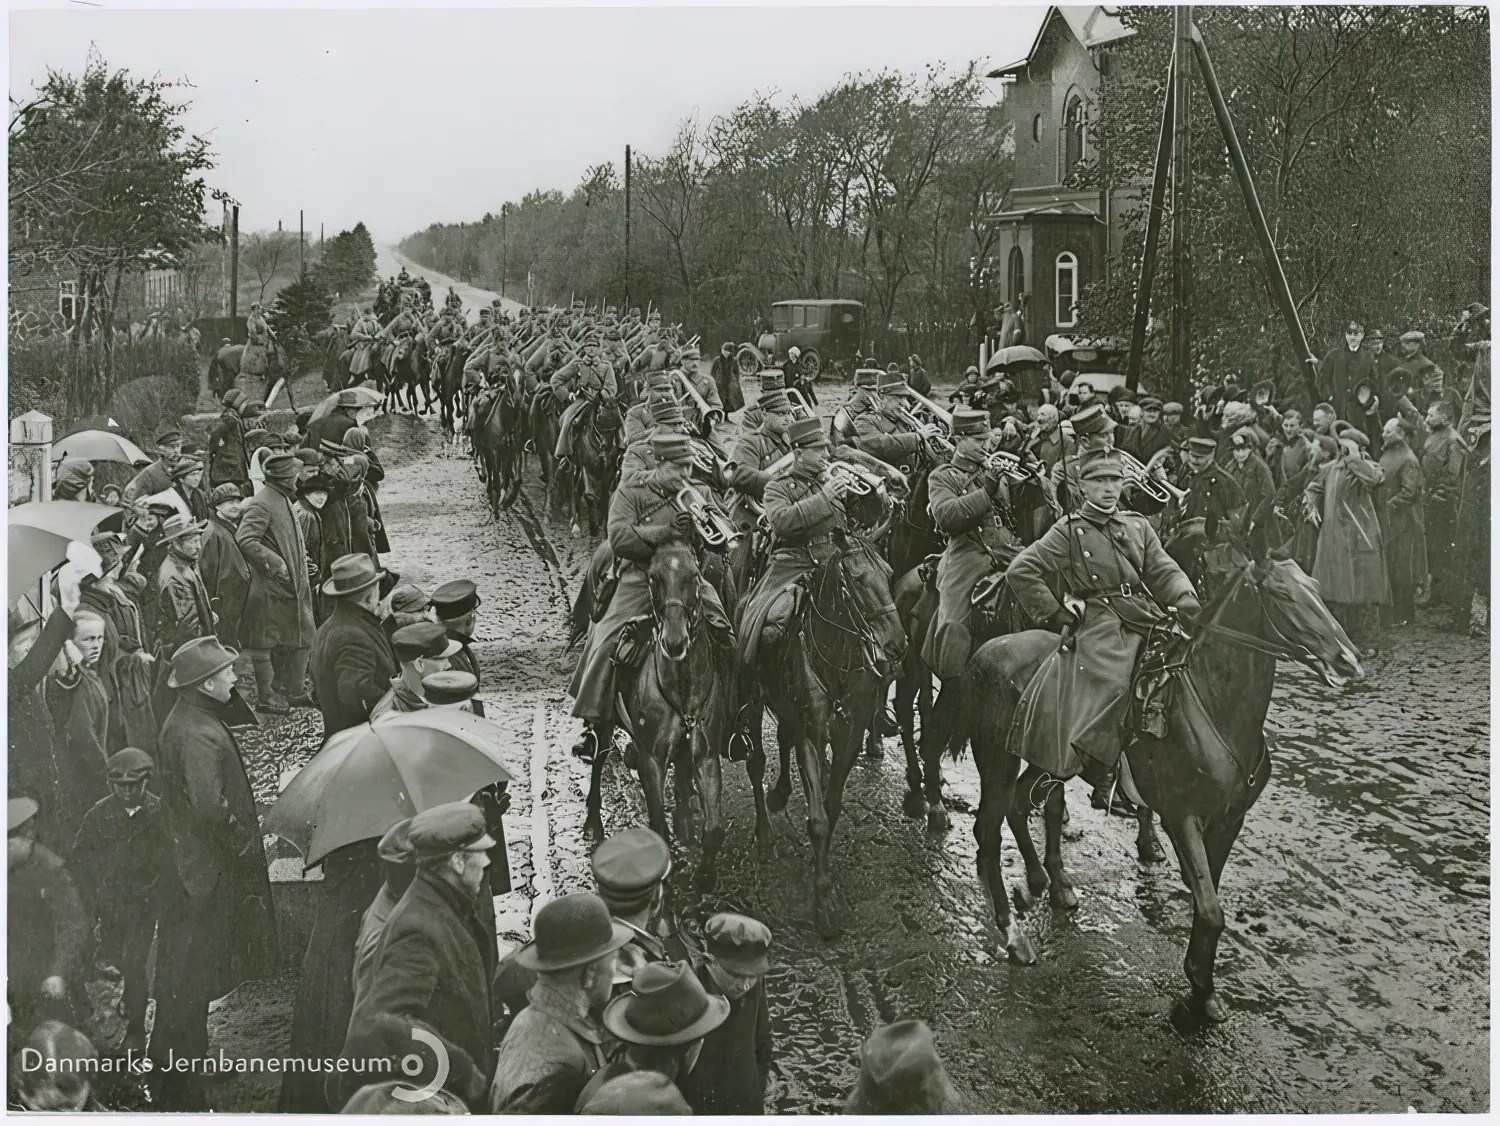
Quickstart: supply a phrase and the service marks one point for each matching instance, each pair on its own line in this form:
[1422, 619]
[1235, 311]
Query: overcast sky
[404, 118]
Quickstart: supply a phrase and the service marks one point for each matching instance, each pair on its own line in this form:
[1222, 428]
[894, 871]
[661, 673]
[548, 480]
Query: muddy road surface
[1355, 962]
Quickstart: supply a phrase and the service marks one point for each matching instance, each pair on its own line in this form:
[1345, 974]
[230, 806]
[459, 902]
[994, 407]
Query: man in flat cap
[1115, 581]
[736, 1058]
[555, 1046]
[642, 518]
[1426, 375]
[409, 604]
[421, 649]
[278, 625]
[455, 604]
[435, 957]
[1146, 437]
[117, 857]
[352, 660]
[218, 927]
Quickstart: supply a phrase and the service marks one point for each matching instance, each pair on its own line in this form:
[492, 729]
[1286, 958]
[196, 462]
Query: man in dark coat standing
[228, 459]
[1344, 369]
[1398, 503]
[46, 933]
[218, 927]
[726, 375]
[352, 659]
[222, 566]
[278, 626]
[730, 1076]
[435, 957]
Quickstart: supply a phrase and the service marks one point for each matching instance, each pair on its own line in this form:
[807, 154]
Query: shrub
[154, 380]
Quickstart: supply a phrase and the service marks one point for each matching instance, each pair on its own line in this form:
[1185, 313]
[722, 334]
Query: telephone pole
[1182, 187]
[627, 227]
[301, 242]
[504, 250]
[234, 270]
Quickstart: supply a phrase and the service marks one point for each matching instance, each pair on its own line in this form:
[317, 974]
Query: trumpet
[1140, 476]
[855, 478]
[1010, 466]
[710, 416]
[707, 462]
[713, 526]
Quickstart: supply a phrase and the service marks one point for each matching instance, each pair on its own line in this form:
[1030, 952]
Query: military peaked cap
[455, 598]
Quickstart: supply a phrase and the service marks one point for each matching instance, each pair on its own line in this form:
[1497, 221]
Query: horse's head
[877, 617]
[607, 414]
[1296, 619]
[676, 598]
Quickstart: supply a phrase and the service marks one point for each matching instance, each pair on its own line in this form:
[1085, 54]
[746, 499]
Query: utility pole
[320, 239]
[504, 255]
[234, 271]
[301, 242]
[1182, 185]
[627, 226]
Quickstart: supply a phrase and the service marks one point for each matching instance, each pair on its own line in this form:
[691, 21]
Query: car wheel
[747, 360]
[811, 365]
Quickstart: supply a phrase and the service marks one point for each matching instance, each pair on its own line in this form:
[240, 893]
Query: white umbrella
[100, 445]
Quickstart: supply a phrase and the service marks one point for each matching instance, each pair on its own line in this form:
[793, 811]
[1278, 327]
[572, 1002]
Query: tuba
[713, 526]
[709, 416]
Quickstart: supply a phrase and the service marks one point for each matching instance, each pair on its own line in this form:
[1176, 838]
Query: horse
[405, 374]
[595, 462]
[224, 370]
[1201, 776]
[450, 384]
[336, 356]
[498, 415]
[822, 685]
[677, 707]
[543, 415]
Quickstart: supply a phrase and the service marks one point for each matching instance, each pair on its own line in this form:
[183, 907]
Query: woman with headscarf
[74, 479]
[358, 440]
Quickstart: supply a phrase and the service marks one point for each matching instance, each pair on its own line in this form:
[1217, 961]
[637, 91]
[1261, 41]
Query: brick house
[1054, 239]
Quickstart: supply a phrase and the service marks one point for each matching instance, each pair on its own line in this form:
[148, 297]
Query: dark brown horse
[678, 709]
[496, 437]
[1201, 778]
[821, 683]
[589, 476]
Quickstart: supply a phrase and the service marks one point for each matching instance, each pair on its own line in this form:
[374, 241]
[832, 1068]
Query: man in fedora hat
[637, 1093]
[421, 648]
[662, 1022]
[345, 415]
[278, 627]
[736, 1058]
[182, 606]
[726, 376]
[352, 660]
[435, 956]
[555, 1046]
[900, 1073]
[218, 927]
[119, 854]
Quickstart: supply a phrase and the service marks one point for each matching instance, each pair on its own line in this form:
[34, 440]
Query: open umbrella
[100, 445]
[39, 536]
[367, 778]
[367, 396]
[1016, 354]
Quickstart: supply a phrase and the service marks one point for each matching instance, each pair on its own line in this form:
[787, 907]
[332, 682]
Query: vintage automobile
[822, 331]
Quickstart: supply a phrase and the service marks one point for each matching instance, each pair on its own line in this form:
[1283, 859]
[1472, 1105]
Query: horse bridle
[1281, 648]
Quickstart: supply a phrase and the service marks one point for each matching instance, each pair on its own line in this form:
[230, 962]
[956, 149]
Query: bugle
[709, 416]
[1143, 477]
[855, 478]
[713, 526]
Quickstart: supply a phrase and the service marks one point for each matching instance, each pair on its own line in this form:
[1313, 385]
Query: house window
[1036, 128]
[1072, 135]
[1015, 271]
[1067, 290]
[67, 301]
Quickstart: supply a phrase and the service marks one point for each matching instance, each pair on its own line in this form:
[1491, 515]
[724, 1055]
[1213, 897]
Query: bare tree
[269, 254]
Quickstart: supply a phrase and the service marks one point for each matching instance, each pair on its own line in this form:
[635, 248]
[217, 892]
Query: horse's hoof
[913, 804]
[1018, 947]
[1148, 849]
[937, 818]
[763, 839]
[776, 800]
[826, 922]
[593, 829]
[1062, 897]
[1198, 1011]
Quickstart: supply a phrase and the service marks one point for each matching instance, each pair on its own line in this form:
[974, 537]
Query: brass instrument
[713, 526]
[855, 478]
[781, 464]
[799, 404]
[937, 442]
[1010, 466]
[943, 416]
[706, 460]
[710, 416]
[1140, 476]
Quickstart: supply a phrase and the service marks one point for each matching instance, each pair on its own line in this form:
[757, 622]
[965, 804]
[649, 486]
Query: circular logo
[411, 1065]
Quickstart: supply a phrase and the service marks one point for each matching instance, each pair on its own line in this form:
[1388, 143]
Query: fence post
[30, 458]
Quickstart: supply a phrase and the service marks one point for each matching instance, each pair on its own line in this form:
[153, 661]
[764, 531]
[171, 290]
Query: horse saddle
[634, 643]
[1162, 656]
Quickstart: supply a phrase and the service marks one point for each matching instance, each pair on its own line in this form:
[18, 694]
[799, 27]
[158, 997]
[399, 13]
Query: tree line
[873, 191]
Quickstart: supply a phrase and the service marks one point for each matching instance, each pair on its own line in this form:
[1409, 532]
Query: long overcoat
[1402, 531]
[278, 611]
[351, 663]
[226, 578]
[1350, 564]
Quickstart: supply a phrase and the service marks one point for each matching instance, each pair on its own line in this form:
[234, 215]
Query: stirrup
[586, 747]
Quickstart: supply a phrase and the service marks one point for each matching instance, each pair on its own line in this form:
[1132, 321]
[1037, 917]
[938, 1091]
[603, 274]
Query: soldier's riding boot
[1104, 782]
[778, 618]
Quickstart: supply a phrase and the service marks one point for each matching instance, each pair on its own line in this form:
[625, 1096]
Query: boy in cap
[421, 649]
[119, 852]
[435, 960]
[900, 1073]
[409, 604]
[736, 1057]
[182, 607]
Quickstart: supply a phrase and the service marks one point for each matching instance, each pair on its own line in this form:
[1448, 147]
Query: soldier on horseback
[1101, 574]
[258, 341]
[642, 518]
[401, 333]
[881, 429]
[638, 419]
[753, 453]
[971, 504]
[579, 384]
[362, 337]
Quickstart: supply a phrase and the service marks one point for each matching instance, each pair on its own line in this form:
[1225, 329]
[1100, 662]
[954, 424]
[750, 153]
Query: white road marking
[541, 822]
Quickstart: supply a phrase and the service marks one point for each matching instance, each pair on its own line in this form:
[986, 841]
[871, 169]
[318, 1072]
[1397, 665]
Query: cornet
[855, 478]
[1010, 466]
[937, 442]
[713, 526]
[1140, 476]
[710, 416]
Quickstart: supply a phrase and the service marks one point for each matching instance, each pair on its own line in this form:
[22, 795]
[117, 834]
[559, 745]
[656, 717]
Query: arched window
[1072, 135]
[1067, 290]
[1015, 272]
